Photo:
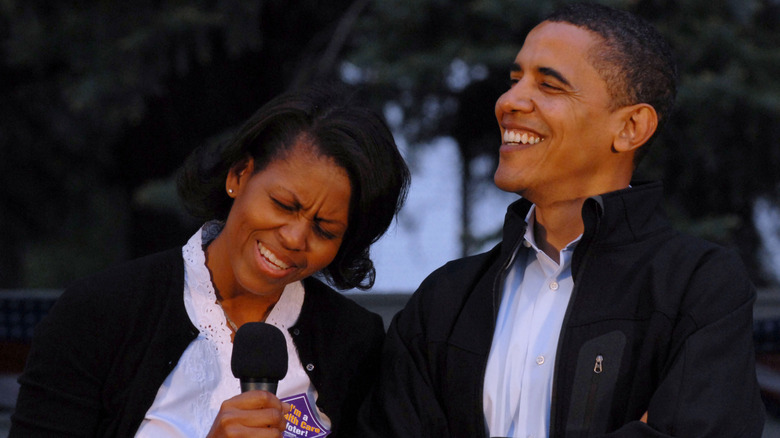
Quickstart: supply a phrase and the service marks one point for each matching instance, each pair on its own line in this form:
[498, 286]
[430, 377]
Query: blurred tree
[103, 100]
[445, 62]
[720, 154]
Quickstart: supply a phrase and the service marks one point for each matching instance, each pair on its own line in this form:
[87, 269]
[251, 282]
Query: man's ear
[639, 123]
[238, 174]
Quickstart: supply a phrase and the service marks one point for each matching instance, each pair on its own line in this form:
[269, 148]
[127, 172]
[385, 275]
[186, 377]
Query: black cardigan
[100, 355]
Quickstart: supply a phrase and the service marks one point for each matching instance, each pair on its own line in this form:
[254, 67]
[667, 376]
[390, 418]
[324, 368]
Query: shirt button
[539, 360]
[309, 367]
[554, 285]
[526, 243]
[296, 332]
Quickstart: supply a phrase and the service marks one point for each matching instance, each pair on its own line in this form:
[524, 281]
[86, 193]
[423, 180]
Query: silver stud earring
[230, 191]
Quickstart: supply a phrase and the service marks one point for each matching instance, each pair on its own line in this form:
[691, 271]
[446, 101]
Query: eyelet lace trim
[208, 315]
[208, 364]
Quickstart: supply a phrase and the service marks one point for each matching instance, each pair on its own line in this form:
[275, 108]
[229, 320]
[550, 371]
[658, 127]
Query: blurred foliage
[103, 100]
[445, 62]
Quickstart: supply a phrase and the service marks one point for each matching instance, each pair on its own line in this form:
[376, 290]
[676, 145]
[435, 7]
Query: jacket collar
[624, 216]
[612, 218]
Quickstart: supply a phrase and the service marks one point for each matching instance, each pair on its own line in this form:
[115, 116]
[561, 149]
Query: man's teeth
[511, 136]
[271, 257]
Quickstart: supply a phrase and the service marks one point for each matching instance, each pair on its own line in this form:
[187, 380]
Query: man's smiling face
[556, 119]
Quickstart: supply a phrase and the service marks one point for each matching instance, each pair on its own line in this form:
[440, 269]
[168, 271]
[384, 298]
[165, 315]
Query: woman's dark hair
[331, 121]
[634, 59]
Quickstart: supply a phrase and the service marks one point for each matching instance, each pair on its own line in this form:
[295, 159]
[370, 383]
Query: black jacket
[670, 315]
[100, 355]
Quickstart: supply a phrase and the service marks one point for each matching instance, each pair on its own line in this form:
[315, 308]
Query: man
[592, 317]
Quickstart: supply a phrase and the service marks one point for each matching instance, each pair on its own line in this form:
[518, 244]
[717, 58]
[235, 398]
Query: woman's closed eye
[292, 208]
[284, 206]
[325, 234]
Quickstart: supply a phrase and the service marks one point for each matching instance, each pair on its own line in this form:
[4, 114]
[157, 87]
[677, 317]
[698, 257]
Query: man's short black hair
[634, 59]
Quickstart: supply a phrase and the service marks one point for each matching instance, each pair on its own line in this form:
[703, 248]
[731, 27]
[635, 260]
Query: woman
[307, 185]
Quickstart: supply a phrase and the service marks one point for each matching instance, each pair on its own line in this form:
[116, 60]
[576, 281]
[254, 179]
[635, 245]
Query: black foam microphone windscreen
[259, 356]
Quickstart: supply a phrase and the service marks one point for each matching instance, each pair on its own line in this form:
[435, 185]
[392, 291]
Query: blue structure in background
[20, 312]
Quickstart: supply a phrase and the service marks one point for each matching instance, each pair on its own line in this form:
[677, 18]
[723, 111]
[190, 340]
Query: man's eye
[550, 86]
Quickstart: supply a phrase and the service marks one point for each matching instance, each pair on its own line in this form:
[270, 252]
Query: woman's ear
[639, 123]
[238, 174]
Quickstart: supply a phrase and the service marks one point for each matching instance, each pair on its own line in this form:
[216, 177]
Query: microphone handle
[252, 384]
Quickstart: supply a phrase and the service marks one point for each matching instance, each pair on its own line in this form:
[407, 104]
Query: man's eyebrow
[548, 71]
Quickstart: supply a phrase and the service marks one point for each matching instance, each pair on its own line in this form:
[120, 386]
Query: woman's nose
[294, 234]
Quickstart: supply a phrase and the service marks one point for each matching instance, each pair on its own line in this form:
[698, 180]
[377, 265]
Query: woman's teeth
[512, 136]
[271, 257]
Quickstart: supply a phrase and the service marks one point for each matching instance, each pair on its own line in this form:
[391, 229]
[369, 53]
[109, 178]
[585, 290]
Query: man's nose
[516, 99]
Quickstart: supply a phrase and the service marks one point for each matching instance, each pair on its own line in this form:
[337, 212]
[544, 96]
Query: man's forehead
[556, 45]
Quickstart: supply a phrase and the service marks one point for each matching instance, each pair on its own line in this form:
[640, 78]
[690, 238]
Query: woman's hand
[252, 413]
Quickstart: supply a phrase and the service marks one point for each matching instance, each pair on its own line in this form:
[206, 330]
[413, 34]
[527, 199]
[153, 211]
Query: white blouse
[188, 401]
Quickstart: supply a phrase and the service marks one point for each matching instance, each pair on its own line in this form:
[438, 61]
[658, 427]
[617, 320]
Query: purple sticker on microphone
[302, 421]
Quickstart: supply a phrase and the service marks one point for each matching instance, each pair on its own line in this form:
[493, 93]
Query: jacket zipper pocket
[598, 368]
[596, 372]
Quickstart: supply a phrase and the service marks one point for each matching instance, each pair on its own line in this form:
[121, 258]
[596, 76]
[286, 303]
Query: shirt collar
[529, 241]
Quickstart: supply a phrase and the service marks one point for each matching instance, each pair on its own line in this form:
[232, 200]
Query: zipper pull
[598, 368]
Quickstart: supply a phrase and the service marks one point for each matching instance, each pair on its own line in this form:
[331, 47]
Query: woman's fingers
[254, 400]
[253, 413]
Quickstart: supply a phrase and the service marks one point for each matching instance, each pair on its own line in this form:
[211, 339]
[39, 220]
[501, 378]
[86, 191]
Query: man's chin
[507, 183]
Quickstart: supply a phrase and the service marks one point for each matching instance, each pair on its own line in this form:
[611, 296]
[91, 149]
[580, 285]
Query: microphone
[259, 356]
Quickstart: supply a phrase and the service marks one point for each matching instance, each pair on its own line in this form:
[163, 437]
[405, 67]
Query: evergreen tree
[444, 63]
[103, 100]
